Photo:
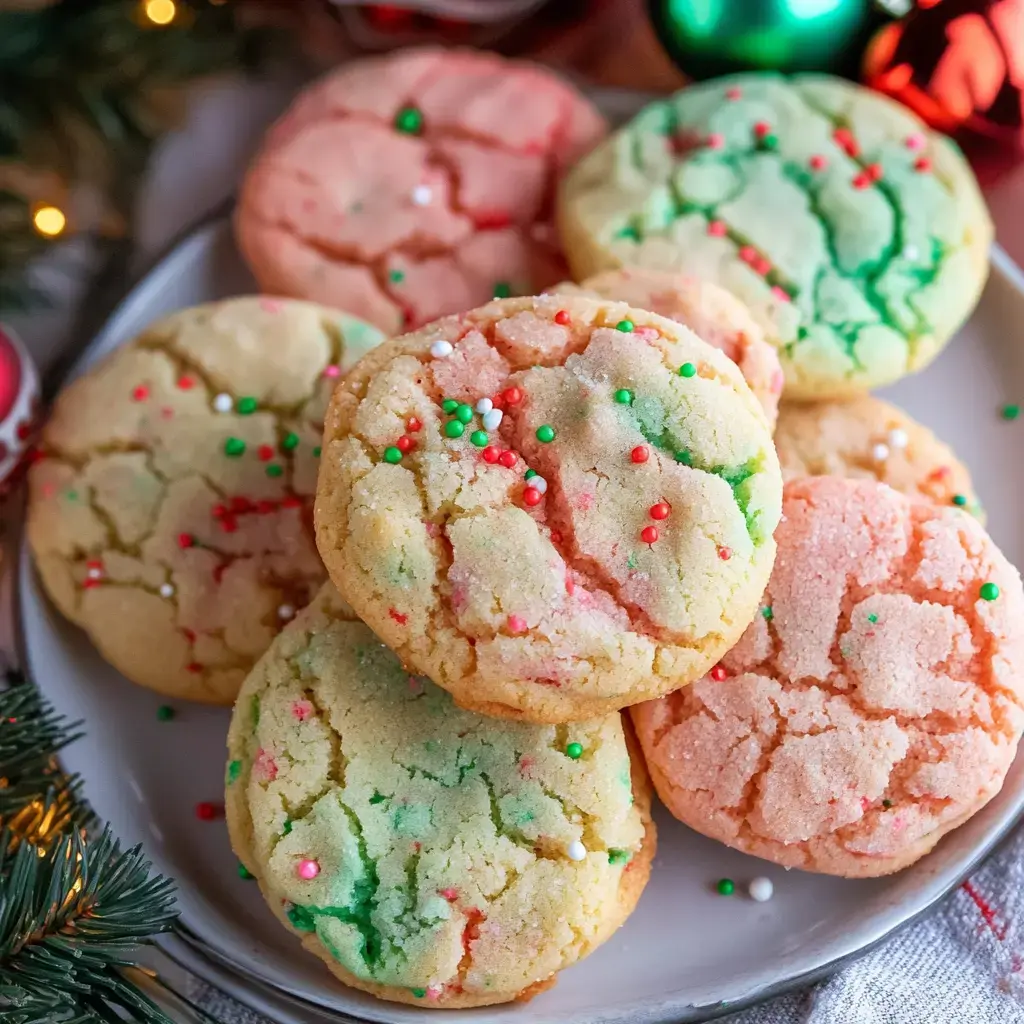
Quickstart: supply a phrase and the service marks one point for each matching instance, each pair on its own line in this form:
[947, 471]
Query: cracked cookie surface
[867, 438]
[170, 513]
[876, 702]
[406, 187]
[857, 237]
[428, 854]
[597, 532]
[713, 314]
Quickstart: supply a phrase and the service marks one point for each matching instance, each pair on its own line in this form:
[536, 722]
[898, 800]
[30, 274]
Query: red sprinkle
[207, 811]
[818, 162]
[194, 666]
[185, 540]
[781, 294]
[844, 138]
[922, 164]
[517, 624]
[649, 534]
[265, 506]
[405, 444]
[725, 553]
[761, 266]
[265, 452]
[562, 317]
[292, 501]
[218, 510]
[240, 504]
[861, 180]
[412, 424]
[507, 459]
[189, 635]
[141, 393]
[718, 674]
[640, 453]
[661, 510]
[531, 496]
[398, 616]
[748, 254]
[513, 396]
[491, 454]
[556, 536]
[450, 894]
[186, 383]
[734, 93]
[715, 140]
[716, 228]
[218, 572]
[492, 220]
[89, 582]
[761, 129]
[229, 524]
[874, 171]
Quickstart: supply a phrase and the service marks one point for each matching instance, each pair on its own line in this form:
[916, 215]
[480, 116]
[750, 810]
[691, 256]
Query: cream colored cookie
[873, 705]
[581, 519]
[713, 314]
[169, 513]
[427, 854]
[866, 437]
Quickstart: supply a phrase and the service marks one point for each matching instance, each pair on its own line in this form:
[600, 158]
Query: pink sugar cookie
[405, 187]
[873, 705]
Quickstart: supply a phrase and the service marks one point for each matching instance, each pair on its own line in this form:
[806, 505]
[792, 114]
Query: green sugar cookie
[857, 237]
[427, 854]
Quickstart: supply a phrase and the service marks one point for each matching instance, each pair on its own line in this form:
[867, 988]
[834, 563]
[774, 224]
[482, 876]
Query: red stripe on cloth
[986, 910]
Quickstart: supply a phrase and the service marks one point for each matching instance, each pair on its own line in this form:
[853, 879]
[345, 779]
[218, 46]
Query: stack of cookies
[435, 570]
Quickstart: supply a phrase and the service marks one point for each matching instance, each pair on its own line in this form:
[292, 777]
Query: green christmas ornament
[716, 37]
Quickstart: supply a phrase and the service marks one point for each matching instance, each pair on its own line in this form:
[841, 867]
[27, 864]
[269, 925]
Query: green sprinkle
[574, 750]
[244, 873]
[684, 457]
[396, 276]
[464, 413]
[631, 562]
[529, 474]
[164, 713]
[377, 798]
[618, 856]
[872, 618]
[887, 804]
[286, 827]
[290, 442]
[624, 396]
[767, 612]
[770, 142]
[71, 495]
[625, 326]
[687, 370]
[501, 290]
[301, 918]
[274, 470]
[449, 405]
[409, 120]
[989, 591]
[545, 434]
[453, 428]
[233, 447]
[479, 438]
[419, 993]
[725, 887]
[234, 770]
[1010, 412]
[960, 500]
[246, 406]
[630, 232]
[316, 452]
[392, 455]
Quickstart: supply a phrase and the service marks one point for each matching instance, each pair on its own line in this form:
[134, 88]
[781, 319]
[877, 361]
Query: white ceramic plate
[687, 953]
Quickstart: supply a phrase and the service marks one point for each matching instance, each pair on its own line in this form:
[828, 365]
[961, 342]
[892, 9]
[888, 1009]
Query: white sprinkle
[576, 850]
[286, 611]
[911, 252]
[441, 349]
[484, 406]
[94, 574]
[898, 438]
[166, 590]
[538, 483]
[761, 889]
[492, 419]
[223, 402]
[880, 452]
[421, 195]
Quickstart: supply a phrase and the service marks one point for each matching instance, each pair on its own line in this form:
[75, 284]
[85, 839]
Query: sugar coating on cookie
[427, 854]
[867, 438]
[713, 314]
[857, 237]
[413, 185]
[604, 543]
[170, 509]
[872, 705]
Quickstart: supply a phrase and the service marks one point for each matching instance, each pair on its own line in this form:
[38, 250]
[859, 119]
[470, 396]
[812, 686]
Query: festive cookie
[714, 314]
[866, 437]
[413, 185]
[169, 514]
[857, 237]
[427, 854]
[553, 507]
[875, 702]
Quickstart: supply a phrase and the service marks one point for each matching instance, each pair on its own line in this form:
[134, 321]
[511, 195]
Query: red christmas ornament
[19, 406]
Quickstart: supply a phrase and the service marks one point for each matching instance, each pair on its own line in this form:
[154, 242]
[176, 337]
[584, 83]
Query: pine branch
[68, 919]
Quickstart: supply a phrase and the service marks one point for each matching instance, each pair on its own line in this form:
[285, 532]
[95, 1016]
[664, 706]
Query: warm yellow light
[48, 220]
[160, 12]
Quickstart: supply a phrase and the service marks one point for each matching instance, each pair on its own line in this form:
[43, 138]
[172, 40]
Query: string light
[160, 12]
[48, 220]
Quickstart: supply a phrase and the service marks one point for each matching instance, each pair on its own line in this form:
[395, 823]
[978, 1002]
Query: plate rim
[73, 359]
